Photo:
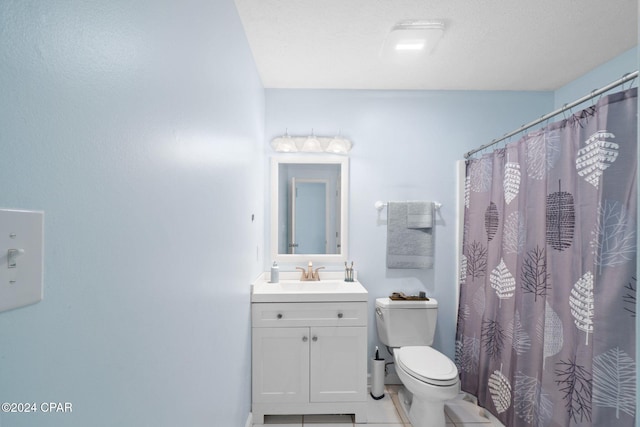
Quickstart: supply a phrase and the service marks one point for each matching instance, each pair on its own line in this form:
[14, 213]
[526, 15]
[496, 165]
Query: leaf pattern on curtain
[511, 181]
[574, 381]
[530, 401]
[463, 267]
[514, 234]
[463, 313]
[491, 220]
[467, 191]
[467, 354]
[520, 340]
[614, 236]
[502, 281]
[500, 390]
[492, 338]
[476, 260]
[481, 173]
[479, 298]
[550, 332]
[581, 302]
[614, 381]
[543, 151]
[560, 249]
[596, 157]
[534, 277]
[629, 298]
[561, 219]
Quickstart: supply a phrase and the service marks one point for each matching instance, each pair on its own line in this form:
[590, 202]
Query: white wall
[406, 144]
[137, 127]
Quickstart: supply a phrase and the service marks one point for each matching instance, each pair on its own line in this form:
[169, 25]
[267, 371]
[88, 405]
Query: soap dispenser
[275, 273]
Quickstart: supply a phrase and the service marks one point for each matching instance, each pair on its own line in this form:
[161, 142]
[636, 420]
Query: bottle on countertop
[275, 273]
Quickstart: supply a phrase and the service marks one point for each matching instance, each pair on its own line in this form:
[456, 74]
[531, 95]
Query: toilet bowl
[430, 379]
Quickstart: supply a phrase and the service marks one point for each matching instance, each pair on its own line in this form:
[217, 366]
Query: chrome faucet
[310, 275]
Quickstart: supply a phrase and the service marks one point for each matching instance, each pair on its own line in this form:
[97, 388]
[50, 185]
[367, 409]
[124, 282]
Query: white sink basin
[299, 291]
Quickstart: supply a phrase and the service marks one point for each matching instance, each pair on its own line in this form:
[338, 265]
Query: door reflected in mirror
[309, 218]
[308, 208]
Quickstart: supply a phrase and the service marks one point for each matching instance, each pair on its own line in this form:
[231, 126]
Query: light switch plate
[21, 258]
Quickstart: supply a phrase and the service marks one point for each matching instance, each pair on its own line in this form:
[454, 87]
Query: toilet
[429, 378]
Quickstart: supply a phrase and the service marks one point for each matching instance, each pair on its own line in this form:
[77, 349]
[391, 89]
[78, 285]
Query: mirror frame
[344, 211]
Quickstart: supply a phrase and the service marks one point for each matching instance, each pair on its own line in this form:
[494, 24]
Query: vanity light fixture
[284, 144]
[417, 36]
[311, 144]
[339, 145]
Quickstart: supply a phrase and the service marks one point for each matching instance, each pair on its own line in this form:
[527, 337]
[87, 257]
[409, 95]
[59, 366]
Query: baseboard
[249, 422]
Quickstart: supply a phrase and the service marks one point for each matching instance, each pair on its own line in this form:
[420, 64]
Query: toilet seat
[427, 364]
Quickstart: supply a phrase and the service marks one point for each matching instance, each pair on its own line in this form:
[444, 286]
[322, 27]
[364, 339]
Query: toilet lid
[427, 364]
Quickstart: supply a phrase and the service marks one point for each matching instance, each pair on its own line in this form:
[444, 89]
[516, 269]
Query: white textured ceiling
[487, 44]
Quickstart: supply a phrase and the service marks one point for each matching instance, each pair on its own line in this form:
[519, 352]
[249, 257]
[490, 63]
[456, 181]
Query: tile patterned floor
[386, 412]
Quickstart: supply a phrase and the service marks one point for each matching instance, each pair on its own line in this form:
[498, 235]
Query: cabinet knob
[315, 339]
[340, 315]
[279, 316]
[305, 339]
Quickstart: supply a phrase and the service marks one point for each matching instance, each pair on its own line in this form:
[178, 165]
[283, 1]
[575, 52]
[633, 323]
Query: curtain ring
[594, 101]
[623, 77]
[630, 81]
[505, 142]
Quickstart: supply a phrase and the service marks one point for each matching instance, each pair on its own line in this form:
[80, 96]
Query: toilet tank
[404, 323]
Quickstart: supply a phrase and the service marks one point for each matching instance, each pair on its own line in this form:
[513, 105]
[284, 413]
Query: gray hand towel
[419, 214]
[407, 247]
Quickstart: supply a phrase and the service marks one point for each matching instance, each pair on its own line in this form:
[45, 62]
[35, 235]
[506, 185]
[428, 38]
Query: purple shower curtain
[546, 322]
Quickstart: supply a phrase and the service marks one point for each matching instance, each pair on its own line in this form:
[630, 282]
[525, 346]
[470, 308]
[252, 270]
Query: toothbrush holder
[348, 274]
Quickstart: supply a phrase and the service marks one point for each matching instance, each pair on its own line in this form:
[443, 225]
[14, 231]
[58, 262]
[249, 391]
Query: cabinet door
[280, 364]
[338, 368]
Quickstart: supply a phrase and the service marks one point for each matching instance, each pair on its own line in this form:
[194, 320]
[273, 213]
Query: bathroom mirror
[309, 208]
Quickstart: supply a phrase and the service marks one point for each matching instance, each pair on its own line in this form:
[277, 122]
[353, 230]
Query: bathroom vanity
[309, 347]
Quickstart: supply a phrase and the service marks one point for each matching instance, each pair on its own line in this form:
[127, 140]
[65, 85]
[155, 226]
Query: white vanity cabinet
[309, 358]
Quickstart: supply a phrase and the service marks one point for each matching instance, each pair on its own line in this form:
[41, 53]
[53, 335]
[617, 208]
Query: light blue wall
[597, 78]
[137, 126]
[406, 144]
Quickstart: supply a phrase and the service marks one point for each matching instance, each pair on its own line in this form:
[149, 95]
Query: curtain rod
[565, 107]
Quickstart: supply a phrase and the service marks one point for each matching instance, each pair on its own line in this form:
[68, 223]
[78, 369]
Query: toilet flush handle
[379, 313]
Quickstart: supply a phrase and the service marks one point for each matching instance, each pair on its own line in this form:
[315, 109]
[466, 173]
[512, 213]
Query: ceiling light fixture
[410, 45]
[413, 36]
[311, 144]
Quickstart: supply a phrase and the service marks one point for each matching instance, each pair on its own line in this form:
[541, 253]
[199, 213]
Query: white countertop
[331, 287]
